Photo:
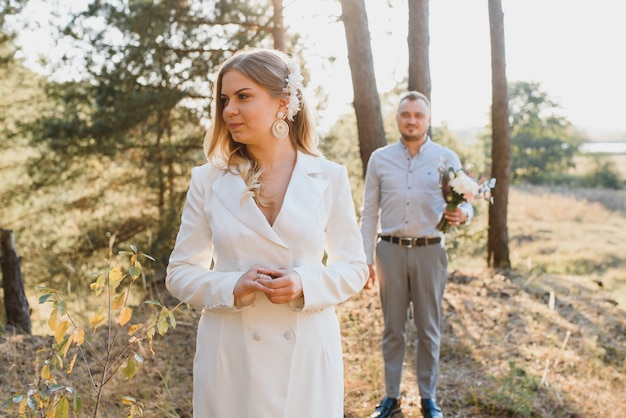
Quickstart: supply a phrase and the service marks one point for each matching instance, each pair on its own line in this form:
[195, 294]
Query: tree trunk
[366, 100]
[418, 40]
[278, 30]
[15, 302]
[498, 241]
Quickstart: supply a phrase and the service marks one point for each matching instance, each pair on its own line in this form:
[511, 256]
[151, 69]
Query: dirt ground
[512, 346]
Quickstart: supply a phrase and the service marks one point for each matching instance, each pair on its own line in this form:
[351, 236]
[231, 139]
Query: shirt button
[289, 335]
[256, 336]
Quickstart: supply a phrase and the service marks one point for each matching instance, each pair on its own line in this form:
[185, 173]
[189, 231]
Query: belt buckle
[408, 241]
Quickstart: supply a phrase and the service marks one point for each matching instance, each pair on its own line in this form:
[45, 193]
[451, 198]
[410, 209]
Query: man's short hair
[415, 95]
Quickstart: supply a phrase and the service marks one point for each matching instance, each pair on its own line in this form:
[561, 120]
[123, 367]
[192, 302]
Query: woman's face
[248, 109]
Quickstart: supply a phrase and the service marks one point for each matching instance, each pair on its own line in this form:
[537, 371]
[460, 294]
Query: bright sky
[574, 48]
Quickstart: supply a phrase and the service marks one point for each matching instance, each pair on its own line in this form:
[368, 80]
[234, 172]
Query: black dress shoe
[386, 408]
[430, 409]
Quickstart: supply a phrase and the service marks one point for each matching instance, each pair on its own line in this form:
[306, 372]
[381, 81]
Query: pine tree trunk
[278, 29]
[15, 302]
[419, 47]
[498, 240]
[369, 118]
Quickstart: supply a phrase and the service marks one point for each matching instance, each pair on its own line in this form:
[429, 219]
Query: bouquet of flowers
[458, 187]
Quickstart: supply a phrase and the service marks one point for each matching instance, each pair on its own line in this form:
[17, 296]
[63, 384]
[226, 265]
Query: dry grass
[545, 341]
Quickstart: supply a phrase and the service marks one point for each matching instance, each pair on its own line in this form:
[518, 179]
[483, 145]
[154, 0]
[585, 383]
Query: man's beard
[414, 138]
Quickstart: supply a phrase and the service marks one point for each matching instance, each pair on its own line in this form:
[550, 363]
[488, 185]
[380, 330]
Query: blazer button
[256, 336]
[289, 335]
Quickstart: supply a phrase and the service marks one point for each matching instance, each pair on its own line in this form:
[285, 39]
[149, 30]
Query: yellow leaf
[96, 320]
[162, 325]
[125, 315]
[63, 409]
[133, 259]
[98, 286]
[118, 301]
[68, 343]
[79, 336]
[150, 332]
[59, 332]
[53, 320]
[23, 406]
[134, 328]
[115, 277]
[45, 372]
[129, 370]
[70, 366]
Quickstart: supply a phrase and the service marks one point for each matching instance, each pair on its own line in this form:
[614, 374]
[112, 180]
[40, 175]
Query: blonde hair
[269, 69]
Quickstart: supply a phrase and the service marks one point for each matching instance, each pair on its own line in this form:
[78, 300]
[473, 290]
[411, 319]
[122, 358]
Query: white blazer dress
[262, 360]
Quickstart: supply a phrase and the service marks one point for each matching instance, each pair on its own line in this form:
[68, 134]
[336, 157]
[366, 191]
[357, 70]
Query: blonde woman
[259, 219]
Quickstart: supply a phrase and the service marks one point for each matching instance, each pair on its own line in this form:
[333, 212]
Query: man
[402, 191]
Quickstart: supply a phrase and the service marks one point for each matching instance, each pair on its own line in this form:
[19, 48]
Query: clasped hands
[279, 285]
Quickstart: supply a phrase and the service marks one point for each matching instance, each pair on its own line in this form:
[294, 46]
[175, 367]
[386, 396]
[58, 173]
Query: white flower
[294, 85]
[463, 184]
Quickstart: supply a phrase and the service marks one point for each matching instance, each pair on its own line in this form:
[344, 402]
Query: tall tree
[498, 240]
[139, 97]
[278, 29]
[366, 100]
[543, 141]
[419, 43]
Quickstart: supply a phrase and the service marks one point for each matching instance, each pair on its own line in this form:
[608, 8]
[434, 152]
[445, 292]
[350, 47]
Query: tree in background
[498, 239]
[419, 47]
[543, 142]
[278, 27]
[369, 120]
[7, 48]
[129, 108]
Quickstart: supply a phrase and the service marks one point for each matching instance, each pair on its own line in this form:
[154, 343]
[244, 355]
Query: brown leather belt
[411, 242]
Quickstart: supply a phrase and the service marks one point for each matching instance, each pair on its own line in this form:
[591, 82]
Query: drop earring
[280, 129]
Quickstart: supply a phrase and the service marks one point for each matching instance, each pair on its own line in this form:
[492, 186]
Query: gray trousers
[408, 275]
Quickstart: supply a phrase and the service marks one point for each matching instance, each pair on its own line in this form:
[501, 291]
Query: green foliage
[515, 396]
[114, 353]
[7, 35]
[106, 145]
[542, 141]
[604, 173]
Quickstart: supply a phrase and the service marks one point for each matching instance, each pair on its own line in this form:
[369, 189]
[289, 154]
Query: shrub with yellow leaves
[46, 397]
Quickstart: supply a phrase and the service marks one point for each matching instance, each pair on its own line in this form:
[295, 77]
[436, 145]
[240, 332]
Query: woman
[259, 219]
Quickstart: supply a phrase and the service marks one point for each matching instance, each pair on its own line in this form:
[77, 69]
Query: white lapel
[229, 189]
[303, 195]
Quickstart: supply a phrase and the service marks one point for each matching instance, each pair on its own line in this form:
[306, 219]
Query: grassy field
[545, 340]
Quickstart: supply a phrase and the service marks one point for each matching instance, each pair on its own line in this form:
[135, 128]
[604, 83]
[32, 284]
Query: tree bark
[15, 302]
[498, 240]
[366, 100]
[418, 41]
[278, 29]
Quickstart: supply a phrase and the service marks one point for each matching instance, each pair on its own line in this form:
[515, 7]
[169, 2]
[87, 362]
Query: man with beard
[402, 205]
